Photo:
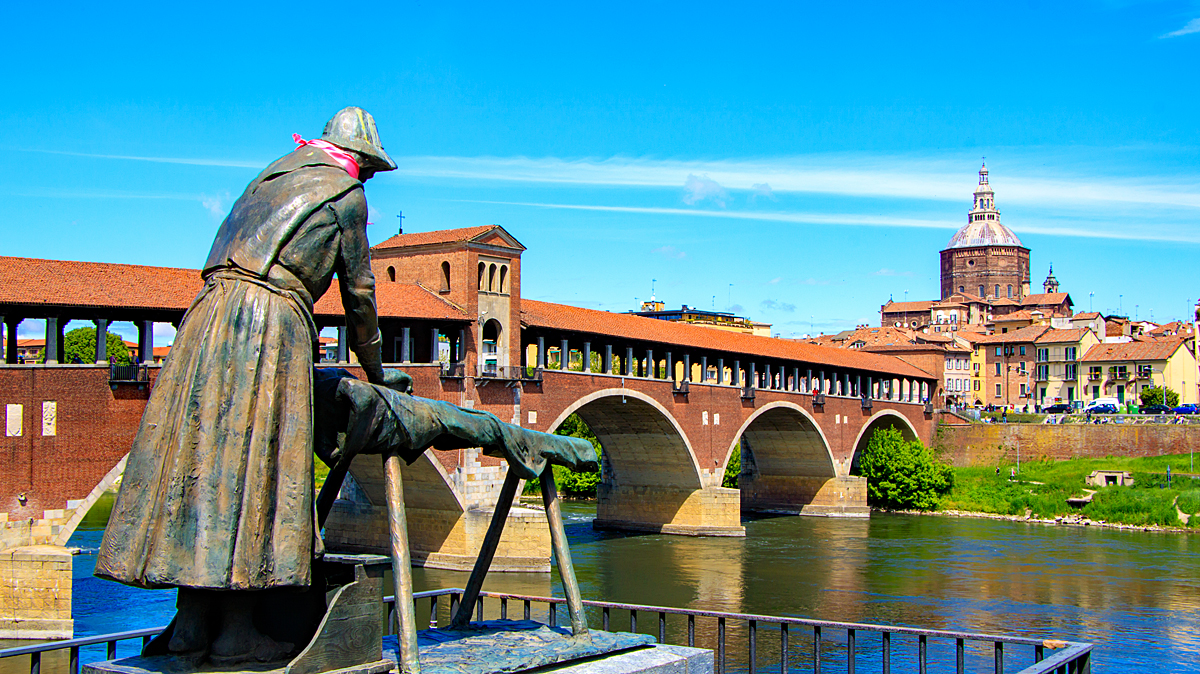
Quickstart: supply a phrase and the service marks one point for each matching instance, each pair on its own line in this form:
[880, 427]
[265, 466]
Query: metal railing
[453, 370]
[134, 373]
[835, 646]
[511, 373]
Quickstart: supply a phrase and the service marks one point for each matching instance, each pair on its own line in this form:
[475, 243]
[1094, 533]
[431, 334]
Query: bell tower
[1050, 285]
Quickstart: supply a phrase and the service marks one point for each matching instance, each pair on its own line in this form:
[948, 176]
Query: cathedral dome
[983, 221]
[984, 233]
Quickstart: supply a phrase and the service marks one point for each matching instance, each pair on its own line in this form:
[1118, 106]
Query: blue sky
[796, 162]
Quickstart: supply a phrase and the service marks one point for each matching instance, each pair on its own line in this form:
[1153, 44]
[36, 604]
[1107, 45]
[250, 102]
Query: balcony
[510, 374]
[134, 374]
[453, 370]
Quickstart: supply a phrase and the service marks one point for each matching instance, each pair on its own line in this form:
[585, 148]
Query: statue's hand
[397, 380]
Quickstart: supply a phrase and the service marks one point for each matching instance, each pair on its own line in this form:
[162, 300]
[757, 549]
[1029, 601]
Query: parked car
[1154, 409]
[1058, 408]
[1187, 408]
[1101, 408]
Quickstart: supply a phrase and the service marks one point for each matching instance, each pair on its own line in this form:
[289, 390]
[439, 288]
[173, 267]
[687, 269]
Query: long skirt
[218, 488]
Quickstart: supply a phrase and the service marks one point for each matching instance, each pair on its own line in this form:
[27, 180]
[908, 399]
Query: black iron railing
[829, 645]
[510, 373]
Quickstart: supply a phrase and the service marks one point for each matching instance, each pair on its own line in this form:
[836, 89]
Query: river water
[1136, 595]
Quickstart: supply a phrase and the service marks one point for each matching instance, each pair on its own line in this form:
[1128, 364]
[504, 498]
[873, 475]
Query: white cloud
[216, 204]
[1190, 27]
[703, 188]
[670, 252]
[891, 272]
[762, 190]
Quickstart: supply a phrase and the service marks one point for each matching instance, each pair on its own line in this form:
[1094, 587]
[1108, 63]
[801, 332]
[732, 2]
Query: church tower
[984, 258]
[1050, 285]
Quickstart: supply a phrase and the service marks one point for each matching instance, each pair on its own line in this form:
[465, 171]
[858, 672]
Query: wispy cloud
[891, 272]
[776, 305]
[191, 161]
[1116, 231]
[846, 175]
[702, 188]
[670, 252]
[1190, 27]
[762, 190]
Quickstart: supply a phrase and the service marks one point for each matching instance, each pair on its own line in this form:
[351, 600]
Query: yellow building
[1123, 370]
[1056, 372]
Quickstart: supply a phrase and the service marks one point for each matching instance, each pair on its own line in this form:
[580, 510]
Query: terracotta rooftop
[1043, 299]
[33, 282]
[1028, 333]
[1160, 349]
[902, 307]
[398, 300]
[42, 283]
[1086, 315]
[1022, 315]
[1068, 336]
[562, 317]
[441, 236]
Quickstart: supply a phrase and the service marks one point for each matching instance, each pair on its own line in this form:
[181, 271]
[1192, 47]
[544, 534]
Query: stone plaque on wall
[49, 418]
[13, 426]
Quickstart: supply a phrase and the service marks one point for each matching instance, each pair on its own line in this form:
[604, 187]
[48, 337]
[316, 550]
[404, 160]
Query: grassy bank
[1042, 488]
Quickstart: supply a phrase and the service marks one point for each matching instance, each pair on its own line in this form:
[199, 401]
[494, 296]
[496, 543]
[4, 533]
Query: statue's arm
[356, 283]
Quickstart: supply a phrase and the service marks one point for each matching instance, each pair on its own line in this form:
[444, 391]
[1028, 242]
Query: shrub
[733, 469]
[903, 474]
[576, 485]
[1154, 396]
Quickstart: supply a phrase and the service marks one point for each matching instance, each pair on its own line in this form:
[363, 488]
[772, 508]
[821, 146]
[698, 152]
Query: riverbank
[1039, 491]
[1075, 520]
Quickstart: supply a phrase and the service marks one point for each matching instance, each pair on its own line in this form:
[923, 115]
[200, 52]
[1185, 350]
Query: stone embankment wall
[988, 444]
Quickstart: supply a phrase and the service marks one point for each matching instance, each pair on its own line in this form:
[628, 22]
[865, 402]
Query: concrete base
[35, 593]
[712, 511]
[657, 659]
[800, 495]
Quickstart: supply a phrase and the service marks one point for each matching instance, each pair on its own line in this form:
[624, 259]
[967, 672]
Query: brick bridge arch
[650, 476]
[881, 419]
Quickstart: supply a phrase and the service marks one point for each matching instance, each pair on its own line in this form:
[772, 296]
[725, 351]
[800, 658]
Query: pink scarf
[335, 153]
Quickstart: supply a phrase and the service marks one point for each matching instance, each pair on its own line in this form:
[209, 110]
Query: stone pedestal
[657, 659]
[711, 511]
[803, 495]
[35, 593]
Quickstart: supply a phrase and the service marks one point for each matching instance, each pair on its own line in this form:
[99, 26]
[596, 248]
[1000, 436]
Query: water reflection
[1135, 594]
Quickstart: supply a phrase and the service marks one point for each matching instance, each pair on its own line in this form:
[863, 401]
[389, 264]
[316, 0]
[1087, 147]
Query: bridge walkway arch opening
[649, 476]
[882, 419]
[787, 466]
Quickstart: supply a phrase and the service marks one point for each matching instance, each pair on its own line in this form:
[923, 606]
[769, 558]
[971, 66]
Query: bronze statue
[217, 493]
[217, 497]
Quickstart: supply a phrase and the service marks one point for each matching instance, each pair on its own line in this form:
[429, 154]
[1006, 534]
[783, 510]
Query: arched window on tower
[482, 271]
[981, 293]
[504, 279]
[1010, 291]
[492, 278]
[445, 276]
[997, 291]
[392, 274]
[962, 289]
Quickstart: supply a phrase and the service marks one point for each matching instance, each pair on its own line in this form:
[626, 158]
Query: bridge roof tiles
[627, 326]
[38, 283]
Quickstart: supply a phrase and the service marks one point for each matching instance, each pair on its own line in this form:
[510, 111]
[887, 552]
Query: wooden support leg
[487, 552]
[558, 538]
[406, 634]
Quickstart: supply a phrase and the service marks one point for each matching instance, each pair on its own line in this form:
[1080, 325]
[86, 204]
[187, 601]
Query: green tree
[79, 345]
[902, 474]
[1154, 396]
[733, 469]
[577, 485]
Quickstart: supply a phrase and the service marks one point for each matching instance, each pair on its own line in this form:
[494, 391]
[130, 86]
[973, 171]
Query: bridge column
[541, 352]
[735, 378]
[587, 357]
[564, 354]
[50, 352]
[668, 370]
[433, 344]
[720, 371]
[650, 365]
[687, 367]
[101, 341]
[627, 366]
[405, 342]
[608, 359]
[10, 339]
[145, 341]
[343, 353]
